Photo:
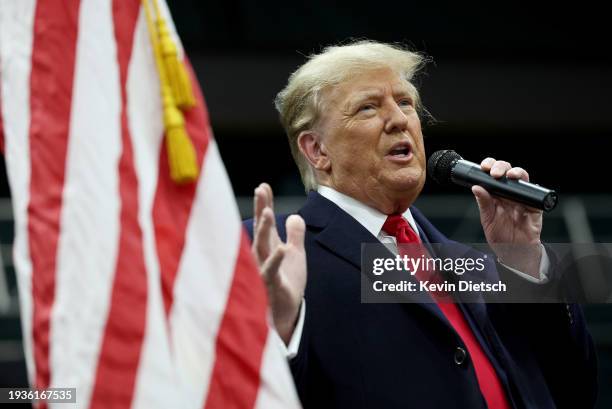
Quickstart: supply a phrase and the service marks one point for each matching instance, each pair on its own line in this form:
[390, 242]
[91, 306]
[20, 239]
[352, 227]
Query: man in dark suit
[352, 117]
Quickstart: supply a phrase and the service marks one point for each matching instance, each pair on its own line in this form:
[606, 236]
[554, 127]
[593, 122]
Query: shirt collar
[368, 217]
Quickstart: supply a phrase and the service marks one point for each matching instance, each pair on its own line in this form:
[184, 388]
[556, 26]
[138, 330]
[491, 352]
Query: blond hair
[299, 103]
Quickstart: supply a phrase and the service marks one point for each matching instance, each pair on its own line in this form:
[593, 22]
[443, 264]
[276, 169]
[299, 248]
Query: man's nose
[396, 120]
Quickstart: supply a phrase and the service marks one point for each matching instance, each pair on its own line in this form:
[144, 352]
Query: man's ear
[314, 150]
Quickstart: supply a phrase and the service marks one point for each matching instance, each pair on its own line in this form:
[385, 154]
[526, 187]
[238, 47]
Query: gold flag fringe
[175, 70]
[181, 152]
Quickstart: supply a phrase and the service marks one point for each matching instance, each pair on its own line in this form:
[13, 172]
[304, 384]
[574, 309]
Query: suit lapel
[342, 235]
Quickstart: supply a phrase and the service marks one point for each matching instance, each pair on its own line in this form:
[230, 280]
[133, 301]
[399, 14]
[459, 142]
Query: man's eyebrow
[360, 96]
[366, 94]
[363, 95]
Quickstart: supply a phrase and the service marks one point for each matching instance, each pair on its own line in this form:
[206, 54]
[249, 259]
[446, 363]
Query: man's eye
[405, 102]
[366, 107]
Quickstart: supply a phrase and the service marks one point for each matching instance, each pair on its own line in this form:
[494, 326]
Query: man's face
[372, 135]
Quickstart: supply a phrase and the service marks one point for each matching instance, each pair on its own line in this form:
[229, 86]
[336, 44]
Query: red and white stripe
[15, 67]
[134, 290]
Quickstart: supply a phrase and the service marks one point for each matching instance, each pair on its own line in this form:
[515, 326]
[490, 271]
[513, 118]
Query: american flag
[138, 291]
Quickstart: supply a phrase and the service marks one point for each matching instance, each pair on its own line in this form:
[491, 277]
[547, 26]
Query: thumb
[295, 231]
[486, 203]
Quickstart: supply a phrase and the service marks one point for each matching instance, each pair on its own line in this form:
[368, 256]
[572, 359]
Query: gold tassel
[181, 153]
[176, 73]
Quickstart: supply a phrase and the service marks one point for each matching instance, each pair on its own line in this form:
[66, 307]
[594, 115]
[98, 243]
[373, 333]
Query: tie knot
[397, 226]
[395, 223]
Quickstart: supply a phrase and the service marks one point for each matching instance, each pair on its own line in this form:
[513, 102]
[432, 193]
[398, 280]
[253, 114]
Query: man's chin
[407, 180]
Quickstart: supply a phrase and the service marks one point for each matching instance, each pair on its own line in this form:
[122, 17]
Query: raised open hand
[282, 265]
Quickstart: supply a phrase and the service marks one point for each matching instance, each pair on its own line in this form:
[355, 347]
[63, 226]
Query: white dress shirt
[373, 220]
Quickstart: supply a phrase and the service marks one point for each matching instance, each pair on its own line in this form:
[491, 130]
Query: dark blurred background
[526, 82]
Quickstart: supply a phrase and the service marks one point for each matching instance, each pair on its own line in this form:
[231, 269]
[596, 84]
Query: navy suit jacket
[389, 356]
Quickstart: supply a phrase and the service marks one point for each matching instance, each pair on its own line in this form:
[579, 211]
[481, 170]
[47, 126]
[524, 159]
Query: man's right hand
[282, 265]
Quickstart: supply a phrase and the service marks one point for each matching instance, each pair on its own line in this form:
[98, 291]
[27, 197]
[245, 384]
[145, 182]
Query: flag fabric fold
[135, 289]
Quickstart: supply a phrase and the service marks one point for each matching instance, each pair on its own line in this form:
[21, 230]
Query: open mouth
[400, 150]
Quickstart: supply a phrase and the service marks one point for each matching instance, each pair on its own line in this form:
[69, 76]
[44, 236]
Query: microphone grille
[440, 164]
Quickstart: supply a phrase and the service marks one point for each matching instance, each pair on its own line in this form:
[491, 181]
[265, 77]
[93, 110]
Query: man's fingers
[262, 234]
[295, 231]
[269, 196]
[263, 198]
[500, 168]
[486, 164]
[266, 223]
[270, 268]
[259, 203]
[518, 173]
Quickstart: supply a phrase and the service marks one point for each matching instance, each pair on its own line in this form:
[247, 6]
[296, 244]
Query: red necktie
[488, 381]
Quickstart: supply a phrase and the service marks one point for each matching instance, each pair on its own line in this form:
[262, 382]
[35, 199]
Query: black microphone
[446, 167]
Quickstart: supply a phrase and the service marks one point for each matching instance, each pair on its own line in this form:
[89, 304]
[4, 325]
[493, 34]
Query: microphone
[446, 167]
